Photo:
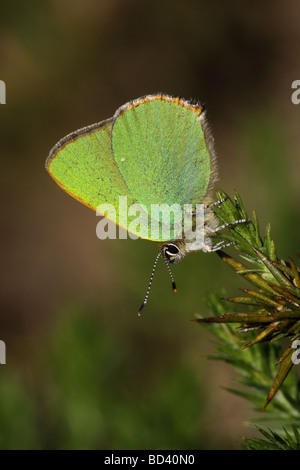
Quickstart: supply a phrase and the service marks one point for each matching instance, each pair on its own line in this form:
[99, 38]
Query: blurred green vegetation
[95, 395]
[83, 371]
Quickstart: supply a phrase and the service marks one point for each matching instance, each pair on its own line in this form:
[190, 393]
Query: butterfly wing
[161, 147]
[164, 152]
[154, 150]
[82, 163]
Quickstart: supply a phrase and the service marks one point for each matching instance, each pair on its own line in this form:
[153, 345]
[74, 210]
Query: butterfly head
[173, 252]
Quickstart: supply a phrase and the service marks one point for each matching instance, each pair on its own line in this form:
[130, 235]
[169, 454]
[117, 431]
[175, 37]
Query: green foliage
[274, 441]
[260, 347]
[106, 401]
[94, 394]
[18, 414]
[277, 283]
[256, 367]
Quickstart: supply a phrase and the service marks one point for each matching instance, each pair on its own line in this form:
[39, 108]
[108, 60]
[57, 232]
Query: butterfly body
[156, 149]
[155, 152]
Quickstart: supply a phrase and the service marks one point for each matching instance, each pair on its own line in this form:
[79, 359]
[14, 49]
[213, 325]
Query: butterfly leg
[217, 203]
[220, 246]
[229, 224]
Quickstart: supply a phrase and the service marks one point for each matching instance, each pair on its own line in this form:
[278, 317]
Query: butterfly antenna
[171, 275]
[149, 286]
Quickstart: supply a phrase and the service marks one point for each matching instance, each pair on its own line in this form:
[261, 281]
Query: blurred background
[83, 371]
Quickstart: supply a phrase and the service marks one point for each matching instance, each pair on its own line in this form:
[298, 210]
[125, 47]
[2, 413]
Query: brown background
[82, 370]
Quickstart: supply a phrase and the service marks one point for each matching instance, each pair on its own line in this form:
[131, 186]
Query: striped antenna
[149, 286]
[171, 276]
[151, 279]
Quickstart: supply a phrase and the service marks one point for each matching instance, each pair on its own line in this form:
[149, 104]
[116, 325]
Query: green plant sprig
[272, 309]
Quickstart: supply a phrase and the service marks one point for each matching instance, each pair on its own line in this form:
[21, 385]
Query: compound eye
[172, 249]
[171, 252]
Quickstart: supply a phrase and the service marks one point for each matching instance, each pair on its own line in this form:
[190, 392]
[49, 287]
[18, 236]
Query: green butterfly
[155, 150]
